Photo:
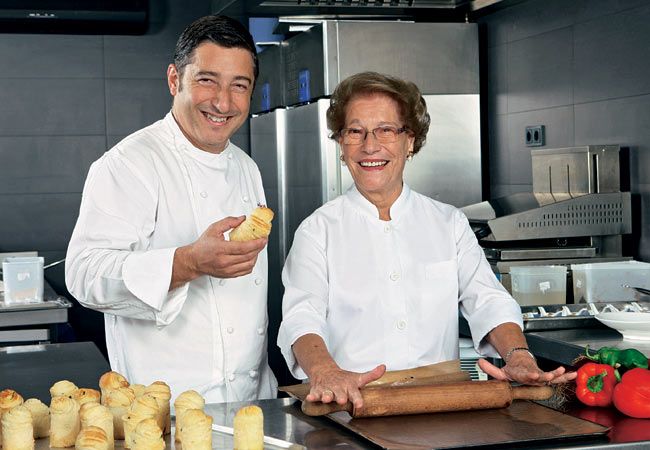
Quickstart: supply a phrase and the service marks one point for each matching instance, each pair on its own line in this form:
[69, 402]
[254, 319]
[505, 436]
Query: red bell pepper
[595, 384]
[632, 394]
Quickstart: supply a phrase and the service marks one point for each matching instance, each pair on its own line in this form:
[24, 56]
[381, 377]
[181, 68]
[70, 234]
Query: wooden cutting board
[522, 422]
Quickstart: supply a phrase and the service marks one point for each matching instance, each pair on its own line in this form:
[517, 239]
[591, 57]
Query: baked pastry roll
[40, 417]
[92, 438]
[257, 225]
[111, 381]
[197, 430]
[161, 392]
[187, 400]
[8, 399]
[18, 432]
[248, 428]
[85, 395]
[118, 402]
[64, 421]
[138, 389]
[92, 414]
[148, 436]
[63, 388]
[143, 407]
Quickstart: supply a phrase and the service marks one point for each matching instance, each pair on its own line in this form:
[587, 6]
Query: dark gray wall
[64, 100]
[582, 69]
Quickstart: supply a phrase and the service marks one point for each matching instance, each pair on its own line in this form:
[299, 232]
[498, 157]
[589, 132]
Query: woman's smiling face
[376, 168]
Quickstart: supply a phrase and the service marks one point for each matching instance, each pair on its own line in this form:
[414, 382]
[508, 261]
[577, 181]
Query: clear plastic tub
[607, 281]
[539, 285]
[23, 279]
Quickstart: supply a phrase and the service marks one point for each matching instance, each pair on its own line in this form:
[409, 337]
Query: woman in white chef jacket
[375, 277]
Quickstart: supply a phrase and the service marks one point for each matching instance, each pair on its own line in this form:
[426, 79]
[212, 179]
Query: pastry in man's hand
[18, 430]
[148, 436]
[197, 430]
[64, 422]
[92, 438]
[248, 429]
[92, 414]
[257, 225]
[40, 417]
[184, 402]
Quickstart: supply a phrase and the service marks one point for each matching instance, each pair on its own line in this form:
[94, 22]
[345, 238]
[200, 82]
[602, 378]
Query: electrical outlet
[535, 136]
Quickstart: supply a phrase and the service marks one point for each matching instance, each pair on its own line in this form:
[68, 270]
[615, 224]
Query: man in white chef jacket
[182, 304]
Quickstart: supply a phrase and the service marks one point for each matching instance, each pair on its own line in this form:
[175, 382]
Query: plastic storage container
[605, 282]
[539, 285]
[23, 279]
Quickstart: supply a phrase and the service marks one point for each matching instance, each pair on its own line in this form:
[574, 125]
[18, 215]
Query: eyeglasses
[386, 134]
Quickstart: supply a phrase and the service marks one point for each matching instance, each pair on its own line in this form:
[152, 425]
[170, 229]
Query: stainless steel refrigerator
[290, 141]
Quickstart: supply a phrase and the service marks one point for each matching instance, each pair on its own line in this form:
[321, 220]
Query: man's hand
[335, 384]
[212, 255]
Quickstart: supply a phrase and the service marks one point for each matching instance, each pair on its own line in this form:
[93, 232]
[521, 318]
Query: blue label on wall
[303, 86]
[266, 96]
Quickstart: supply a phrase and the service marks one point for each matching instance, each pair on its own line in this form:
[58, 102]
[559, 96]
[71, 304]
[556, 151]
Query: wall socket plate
[535, 136]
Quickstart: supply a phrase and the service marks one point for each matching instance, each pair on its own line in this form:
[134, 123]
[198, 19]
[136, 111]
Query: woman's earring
[409, 156]
[342, 160]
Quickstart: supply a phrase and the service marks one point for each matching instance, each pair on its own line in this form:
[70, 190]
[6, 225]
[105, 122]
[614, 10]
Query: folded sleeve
[304, 305]
[110, 263]
[483, 300]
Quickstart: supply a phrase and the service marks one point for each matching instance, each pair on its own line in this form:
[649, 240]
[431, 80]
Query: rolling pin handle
[532, 392]
[321, 409]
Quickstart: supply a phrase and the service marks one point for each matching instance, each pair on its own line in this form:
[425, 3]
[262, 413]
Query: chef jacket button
[232, 377]
[387, 228]
[229, 155]
[230, 330]
[252, 373]
[222, 282]
[203, 194]
[394, 276]
[245, 198]
[260, 330]
[401, 324]
[258, 281]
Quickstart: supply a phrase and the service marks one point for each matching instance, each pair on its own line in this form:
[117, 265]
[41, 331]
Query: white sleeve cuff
[147, 275]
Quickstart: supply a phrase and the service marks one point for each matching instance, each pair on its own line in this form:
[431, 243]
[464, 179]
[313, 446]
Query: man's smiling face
[212, 97]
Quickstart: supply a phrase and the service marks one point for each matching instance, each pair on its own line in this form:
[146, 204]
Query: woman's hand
[522, 368]
[332, 383]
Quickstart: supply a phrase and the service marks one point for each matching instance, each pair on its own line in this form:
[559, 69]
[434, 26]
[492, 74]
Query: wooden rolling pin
[418, 399]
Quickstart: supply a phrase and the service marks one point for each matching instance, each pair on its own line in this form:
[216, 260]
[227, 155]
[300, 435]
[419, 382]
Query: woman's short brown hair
[413, 109]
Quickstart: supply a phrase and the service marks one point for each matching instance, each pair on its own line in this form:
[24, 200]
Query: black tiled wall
[582, 69]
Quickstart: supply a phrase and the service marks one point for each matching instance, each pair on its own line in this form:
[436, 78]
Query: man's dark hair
[220, 30]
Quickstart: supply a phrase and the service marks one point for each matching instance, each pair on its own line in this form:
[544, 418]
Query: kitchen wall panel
[134, 103]
[52, 107]
[559, 132]
[625, 121]
[612, 56]
[59, 56]
[27, 165]
[539, 71]
[66, 99]
[581, 69]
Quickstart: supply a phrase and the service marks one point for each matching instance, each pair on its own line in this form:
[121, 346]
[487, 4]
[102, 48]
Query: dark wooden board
[523, 421]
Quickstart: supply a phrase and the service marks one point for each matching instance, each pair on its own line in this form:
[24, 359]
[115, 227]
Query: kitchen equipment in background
[290, 143]
[634, 326]
[539, 285]
[23, 279]
[610, 281]
[575, 214]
